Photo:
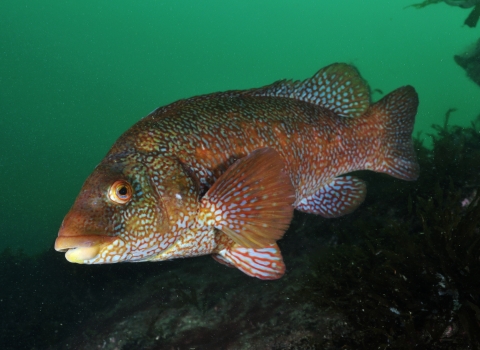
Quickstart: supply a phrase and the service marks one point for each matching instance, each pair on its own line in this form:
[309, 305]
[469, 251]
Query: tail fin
[396, 112]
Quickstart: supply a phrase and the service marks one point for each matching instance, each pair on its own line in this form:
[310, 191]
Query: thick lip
[64, 243]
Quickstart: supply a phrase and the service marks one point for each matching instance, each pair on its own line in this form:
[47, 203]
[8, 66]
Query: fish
[472, 18]
[221, 174]
[470, 61]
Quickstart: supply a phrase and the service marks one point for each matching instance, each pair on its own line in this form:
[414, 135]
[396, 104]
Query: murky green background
[75, 74]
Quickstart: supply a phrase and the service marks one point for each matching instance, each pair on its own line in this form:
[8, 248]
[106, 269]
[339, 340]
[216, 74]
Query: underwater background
[74, 75]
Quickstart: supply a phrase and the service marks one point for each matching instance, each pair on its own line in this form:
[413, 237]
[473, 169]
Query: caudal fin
[396, 112]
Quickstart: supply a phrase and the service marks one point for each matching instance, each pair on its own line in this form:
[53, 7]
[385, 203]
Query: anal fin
[339, 197]
[263, 263]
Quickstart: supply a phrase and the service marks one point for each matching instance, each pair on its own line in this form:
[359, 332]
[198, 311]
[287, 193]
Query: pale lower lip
[78, 249]
[80, 254]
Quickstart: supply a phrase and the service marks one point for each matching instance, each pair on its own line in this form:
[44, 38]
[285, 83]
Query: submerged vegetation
[408, 275]
[402, 272]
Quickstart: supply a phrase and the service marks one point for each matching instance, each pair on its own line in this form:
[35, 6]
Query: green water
[75, 74]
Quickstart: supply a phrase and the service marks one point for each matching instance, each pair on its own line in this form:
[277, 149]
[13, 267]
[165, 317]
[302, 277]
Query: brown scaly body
[220, 174]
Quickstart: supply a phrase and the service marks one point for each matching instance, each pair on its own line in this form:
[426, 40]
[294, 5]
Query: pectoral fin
[252, 202]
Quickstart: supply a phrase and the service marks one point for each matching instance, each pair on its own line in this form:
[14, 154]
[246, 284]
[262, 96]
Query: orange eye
[120, 192]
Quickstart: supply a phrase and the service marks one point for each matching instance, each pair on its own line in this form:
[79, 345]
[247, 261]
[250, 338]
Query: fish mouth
[77, 249]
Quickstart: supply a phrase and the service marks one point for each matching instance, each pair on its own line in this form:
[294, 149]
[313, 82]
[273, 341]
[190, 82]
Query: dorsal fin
[337, 87]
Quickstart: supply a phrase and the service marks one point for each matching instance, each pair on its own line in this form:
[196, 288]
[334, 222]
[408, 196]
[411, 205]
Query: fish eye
[120, 192]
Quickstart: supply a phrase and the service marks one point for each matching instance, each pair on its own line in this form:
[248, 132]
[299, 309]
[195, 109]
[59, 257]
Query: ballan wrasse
[221, 174]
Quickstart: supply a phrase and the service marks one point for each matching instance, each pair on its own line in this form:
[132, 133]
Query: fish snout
[80, 248]
[80, 223]
[63, 244]
[77, 241]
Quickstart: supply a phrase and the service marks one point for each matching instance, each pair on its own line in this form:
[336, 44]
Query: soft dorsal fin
[337, 87]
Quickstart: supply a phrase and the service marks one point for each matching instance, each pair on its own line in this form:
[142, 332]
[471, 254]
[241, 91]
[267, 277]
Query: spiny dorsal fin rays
[337, 87]
[252, 202]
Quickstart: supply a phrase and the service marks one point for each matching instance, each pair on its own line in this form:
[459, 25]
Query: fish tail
[396, 114]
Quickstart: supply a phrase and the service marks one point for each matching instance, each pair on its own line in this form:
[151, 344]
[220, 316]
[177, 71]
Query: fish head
[121, 212]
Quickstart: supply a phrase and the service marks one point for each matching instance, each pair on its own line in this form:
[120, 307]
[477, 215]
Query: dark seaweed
[413, 278]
